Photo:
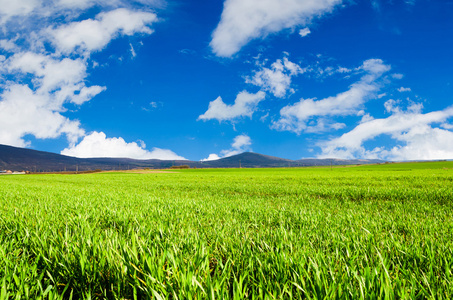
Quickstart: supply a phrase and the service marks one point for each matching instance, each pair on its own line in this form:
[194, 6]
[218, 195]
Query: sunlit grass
[358, 233]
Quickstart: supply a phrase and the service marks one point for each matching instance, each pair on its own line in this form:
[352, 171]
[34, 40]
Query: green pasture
[362, 232]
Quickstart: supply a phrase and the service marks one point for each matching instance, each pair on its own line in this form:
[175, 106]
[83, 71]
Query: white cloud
[304, 32]
[94, 34]
[245, 20]
[244, 106]
[447, 126]
[276, 79]
[38, 9]
[391, 106]
[264, 117]
[366, 118]
[241, 141]
[322, 125]
[35, 107]
[404, 89]
[8, 45]
[65, 76]
[343, 70]
[415, 134]
[296, 117]
[211, 156]
[9, 8]
[240, 144]
[24, 111]
[42, 80]
[133, 53]
[97, 144]
[320, 71]
[394, 106]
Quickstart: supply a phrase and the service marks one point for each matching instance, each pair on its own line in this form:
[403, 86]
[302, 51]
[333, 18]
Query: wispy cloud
[132, 50]
[404, 89]
[295, 117]
[25, 12]
[417, 136]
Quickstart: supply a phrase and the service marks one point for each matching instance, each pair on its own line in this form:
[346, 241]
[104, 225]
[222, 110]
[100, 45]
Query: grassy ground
[360, 233]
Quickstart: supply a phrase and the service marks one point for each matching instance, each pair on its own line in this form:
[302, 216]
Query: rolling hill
[22, 159]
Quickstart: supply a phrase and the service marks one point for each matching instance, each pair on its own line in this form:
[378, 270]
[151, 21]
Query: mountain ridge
[22, 159]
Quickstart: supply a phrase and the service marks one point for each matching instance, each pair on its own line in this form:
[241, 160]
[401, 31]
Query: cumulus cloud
[63, 76]
[417, 136]
[304, 32]
[296, 117]
[24, 111]
[94, 34]
[245, 20]
[36, 107]
[244, 105]
[44, 68]
[97, 144]
[277, 78]
[240, 144]
[391, 106]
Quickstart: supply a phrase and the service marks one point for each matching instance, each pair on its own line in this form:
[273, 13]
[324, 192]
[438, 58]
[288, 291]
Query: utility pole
[77, 169]
[240, 167]
[330, 165]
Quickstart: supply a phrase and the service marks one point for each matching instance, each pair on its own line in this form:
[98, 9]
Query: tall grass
[356, 233]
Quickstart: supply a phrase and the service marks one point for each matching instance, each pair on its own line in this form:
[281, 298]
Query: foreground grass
[359, 233]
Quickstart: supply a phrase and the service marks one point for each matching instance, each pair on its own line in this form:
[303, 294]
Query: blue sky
[207, 79]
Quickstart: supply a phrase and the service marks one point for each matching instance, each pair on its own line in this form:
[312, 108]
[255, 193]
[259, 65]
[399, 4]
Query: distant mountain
[249, 160]
[21, 159]
[18, 159]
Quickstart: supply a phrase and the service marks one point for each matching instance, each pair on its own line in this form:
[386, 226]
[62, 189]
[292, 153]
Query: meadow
[365, 232]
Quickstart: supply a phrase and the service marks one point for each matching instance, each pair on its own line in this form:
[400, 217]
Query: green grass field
[368, 232]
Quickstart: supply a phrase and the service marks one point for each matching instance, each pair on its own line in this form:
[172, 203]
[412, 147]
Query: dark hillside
[22, 159]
